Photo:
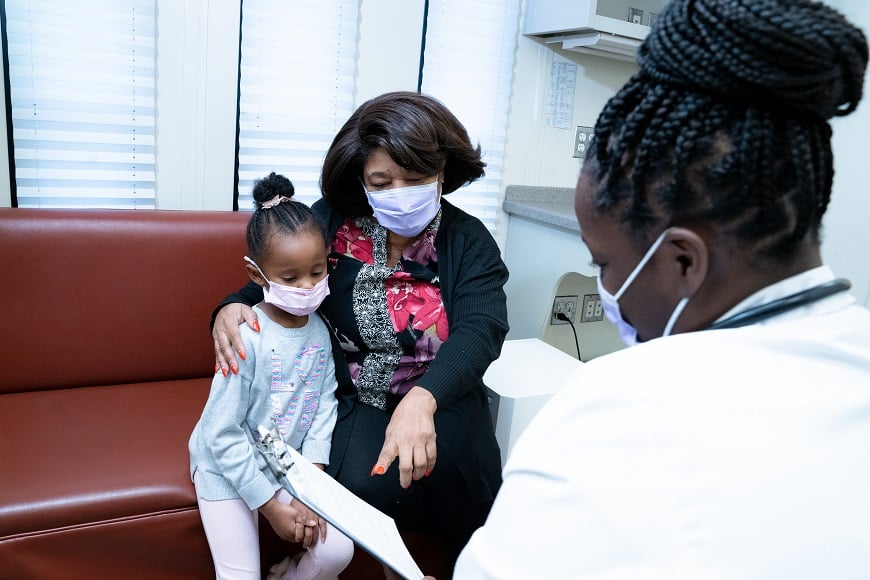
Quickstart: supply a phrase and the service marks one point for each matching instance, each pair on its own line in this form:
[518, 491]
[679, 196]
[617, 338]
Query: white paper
[560, 97]
[367, 526]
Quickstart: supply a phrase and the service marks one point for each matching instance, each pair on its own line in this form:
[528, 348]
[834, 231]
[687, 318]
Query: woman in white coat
[733, 441]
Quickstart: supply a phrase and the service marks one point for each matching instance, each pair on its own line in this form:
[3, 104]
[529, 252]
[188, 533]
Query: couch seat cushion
[76, 456]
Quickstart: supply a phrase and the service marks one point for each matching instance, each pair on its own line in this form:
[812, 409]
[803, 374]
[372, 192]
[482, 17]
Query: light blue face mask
[610, 302]
[406, 210]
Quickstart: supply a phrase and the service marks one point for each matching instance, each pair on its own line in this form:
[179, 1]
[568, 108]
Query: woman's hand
[293, 522]
[228, 339]
[410, 436]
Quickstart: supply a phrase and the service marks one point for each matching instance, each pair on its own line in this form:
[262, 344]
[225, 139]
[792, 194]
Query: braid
[726, 122]
[277, 213]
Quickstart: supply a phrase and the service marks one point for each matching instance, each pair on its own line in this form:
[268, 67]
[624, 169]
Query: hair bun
[270, 188]
[794, 54]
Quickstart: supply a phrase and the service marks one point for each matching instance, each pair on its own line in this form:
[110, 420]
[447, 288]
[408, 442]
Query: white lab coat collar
[792, 285]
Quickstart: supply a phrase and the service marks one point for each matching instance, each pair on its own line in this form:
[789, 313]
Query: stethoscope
[765, 311]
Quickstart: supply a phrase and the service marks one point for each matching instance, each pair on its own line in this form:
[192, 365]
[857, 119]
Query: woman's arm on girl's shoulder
[234, 310]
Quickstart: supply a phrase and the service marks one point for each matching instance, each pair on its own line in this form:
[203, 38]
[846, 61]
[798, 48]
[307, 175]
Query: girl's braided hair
[726, 122]
[277, 213]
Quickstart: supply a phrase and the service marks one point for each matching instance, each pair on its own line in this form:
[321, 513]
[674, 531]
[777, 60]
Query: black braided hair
[286, 217]
[726, 121]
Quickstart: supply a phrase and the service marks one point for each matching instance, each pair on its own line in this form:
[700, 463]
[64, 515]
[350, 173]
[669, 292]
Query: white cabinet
[612, 28]
[521, 381]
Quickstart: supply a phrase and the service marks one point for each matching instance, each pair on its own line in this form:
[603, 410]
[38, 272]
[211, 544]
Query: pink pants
[231, 529]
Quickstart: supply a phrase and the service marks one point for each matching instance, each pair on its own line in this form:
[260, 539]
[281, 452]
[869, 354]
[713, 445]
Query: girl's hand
[293, 522]
[228, 339]
[410, 436]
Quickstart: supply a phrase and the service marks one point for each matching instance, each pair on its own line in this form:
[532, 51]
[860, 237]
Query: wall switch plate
[591, 311]
[582, 140]
[566, 305]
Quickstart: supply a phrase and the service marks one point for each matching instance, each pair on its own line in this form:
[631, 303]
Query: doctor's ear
[689, 256]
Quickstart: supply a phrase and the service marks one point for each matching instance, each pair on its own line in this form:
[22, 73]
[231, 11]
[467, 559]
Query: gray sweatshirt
[288, 381]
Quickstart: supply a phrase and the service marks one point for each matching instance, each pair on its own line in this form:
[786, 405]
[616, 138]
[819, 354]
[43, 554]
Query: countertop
[549, 205]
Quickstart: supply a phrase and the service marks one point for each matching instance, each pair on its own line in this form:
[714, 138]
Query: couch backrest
[101, 297]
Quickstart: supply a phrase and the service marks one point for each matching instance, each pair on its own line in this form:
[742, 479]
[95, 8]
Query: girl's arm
[224, 429]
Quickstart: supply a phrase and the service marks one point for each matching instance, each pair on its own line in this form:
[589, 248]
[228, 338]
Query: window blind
[82, 78]
[296, 89]
[468, 65]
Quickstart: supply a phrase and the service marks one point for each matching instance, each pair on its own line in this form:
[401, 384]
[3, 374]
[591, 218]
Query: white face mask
[296, 301]
[610, 302]
[406, 210]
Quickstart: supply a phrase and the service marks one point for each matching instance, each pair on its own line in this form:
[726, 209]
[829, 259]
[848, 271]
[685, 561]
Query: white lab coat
[740, 454]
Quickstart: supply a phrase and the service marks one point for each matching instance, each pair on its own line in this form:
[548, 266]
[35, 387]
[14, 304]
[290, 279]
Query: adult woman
[738, 451]
[418, 308]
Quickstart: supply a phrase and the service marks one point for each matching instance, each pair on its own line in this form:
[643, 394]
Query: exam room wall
[535, 153]
[846, 236]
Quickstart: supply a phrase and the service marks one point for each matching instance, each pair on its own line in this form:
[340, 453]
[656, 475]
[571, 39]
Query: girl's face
[295, 260]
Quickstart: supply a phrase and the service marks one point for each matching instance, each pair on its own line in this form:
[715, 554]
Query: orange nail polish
[379, 470]
[235, 369]
[224, 372]
[428, 473]
[257, 325]
[242, 355]
[217, 367]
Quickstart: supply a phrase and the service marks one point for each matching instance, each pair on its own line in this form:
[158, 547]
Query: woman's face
[381, 173]
[646, 304]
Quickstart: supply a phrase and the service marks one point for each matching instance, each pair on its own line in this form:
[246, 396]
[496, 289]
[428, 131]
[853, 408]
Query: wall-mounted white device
[612, 28]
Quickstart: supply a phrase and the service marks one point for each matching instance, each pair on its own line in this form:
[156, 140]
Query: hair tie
[274, 201]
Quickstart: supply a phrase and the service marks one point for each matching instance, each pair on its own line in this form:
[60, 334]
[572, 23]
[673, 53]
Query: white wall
[846, 237]
[535, 153]
[386, 25]
[197, 72]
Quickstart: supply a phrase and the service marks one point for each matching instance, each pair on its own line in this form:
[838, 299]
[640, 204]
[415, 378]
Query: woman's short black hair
[726, 122]
[417, 131]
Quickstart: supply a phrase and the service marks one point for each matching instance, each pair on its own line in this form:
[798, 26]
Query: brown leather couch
[107, 362]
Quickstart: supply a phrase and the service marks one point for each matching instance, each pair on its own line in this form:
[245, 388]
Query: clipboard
[367, 526]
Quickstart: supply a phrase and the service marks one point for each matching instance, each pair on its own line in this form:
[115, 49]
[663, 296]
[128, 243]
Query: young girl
[286, 379]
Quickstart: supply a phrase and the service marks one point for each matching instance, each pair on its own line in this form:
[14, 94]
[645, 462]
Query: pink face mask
[296, 301]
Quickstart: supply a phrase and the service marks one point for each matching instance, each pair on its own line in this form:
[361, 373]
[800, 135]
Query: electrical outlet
[592, 311]
[566, 305]
[582, 139]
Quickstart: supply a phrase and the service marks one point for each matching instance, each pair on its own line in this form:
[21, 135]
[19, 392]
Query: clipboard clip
[274, 450]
